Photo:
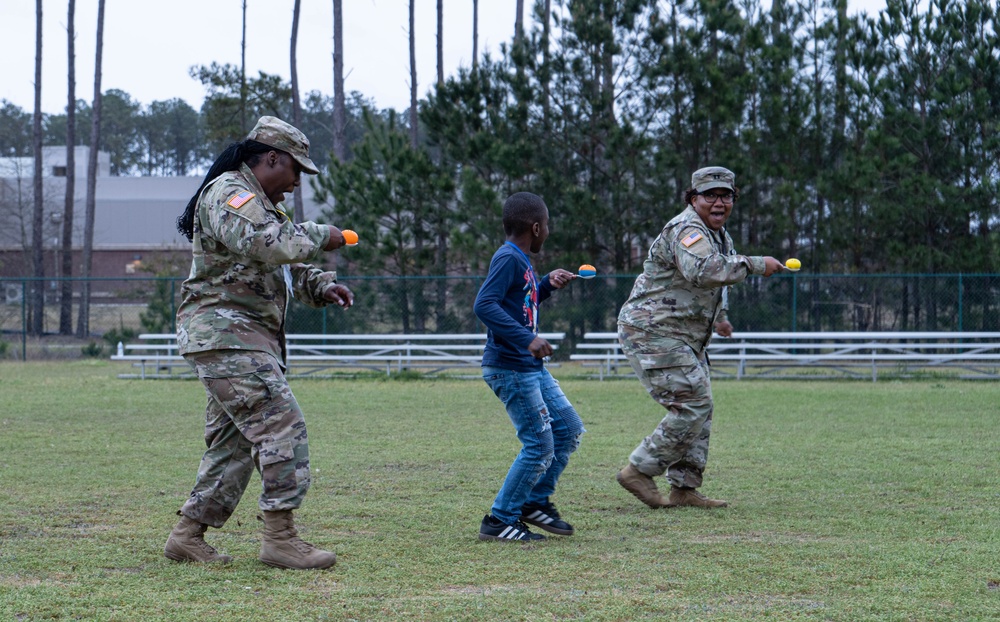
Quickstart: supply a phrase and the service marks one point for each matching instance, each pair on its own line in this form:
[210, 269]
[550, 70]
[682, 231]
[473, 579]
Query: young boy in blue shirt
[546, 423]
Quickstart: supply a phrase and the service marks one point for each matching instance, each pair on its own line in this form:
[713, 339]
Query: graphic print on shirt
[530, 307]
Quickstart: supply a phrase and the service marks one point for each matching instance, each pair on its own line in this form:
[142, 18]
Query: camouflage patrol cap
[274, 132]
[712, 177]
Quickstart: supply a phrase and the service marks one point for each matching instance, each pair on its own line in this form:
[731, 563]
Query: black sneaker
[493, 529]
[544, 516]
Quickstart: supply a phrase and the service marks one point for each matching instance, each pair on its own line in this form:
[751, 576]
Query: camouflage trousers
[252, 422]
[678, 379]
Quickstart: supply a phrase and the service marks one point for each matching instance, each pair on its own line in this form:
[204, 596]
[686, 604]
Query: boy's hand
[540, 348]
[558, 278]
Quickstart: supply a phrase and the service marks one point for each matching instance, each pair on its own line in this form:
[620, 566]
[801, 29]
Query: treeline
[860, 144]
[170, 137]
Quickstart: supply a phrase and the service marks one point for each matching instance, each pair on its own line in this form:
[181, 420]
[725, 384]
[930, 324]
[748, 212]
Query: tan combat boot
[187, 544]
[281, 546]
[641, 485]
[689, 496]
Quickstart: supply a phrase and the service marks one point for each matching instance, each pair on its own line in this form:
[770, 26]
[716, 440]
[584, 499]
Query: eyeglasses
[711, 197]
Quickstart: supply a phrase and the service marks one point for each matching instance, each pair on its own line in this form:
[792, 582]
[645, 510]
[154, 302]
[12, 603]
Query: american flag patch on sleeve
[240, 199]
[691, 239]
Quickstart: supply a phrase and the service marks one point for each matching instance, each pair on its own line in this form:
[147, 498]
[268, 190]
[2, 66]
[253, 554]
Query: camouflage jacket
[246, 262]
[681, 292]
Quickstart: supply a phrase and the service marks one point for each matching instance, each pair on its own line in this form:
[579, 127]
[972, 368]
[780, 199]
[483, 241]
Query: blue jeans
[549, 430]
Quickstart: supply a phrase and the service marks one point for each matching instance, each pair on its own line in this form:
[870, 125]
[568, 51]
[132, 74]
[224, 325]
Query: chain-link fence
[120, 309]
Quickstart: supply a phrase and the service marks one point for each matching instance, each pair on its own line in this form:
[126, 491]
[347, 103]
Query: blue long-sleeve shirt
[507, 304]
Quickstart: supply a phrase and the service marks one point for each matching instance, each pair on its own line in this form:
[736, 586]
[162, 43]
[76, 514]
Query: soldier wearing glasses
[664, 328]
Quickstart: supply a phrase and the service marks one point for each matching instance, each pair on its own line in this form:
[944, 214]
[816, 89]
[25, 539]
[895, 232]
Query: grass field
[849, 501]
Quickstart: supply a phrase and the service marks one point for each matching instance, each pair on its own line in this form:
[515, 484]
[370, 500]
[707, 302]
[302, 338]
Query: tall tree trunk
[519, 23]
[840, 82]
[441, 217]
[339, 99]
[546, 73]
[413, 78]
[38, 215]
[339, 124]
[475, 33]
[440, 42]
[83, 318]
[66, 291]
[296, 104]
[418, 241]
[607, 101]
[518, 49]
[243, 75]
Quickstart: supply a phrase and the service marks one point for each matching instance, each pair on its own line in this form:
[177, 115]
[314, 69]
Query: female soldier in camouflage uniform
[664, 328]
[231, 329]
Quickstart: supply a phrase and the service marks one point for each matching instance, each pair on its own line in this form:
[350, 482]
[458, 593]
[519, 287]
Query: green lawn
[849, 501]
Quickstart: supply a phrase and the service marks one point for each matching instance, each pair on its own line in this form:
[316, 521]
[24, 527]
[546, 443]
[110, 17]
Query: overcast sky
[150, 46]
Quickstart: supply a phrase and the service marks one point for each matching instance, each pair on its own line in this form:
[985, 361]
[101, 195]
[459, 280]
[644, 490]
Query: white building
[54, 164]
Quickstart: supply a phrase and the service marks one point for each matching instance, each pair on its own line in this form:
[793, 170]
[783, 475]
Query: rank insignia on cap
[691, 239]
[240, 199]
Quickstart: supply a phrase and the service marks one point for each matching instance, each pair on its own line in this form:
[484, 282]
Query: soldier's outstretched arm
[247, 228]
[699, 262]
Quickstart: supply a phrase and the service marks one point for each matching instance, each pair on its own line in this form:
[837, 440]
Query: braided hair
[249, 151]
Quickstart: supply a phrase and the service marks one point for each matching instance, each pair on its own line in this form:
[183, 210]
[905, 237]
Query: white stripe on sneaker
[510, 533]
[541, 517]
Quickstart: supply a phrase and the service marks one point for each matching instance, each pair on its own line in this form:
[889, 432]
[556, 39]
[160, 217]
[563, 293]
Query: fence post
[960, 289]
[795, 301]
[24, 320]
[173, 306]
